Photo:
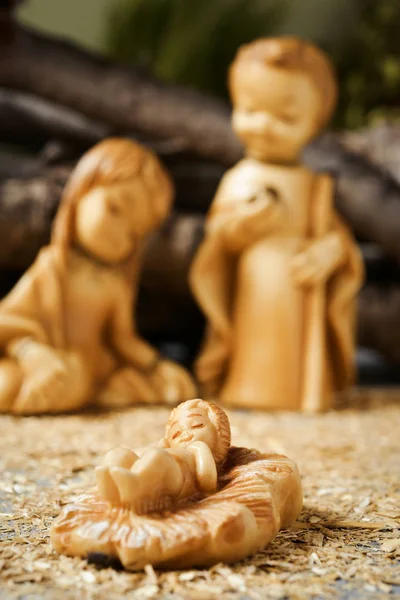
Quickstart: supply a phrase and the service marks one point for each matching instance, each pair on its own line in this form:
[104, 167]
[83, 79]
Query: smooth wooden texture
[67, 325]
[183, 463]
[316, 393]
[278, 272]
[349, 519]
[189, 500]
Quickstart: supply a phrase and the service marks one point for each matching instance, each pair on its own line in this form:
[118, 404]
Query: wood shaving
[346, 539]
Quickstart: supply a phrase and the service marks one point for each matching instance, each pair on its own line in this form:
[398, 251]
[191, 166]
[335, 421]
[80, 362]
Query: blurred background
[193, 41]
[159, 75]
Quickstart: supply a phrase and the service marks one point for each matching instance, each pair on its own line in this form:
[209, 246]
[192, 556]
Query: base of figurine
[259, 494]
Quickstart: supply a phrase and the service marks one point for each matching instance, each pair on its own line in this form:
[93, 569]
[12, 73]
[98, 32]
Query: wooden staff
[315, 385]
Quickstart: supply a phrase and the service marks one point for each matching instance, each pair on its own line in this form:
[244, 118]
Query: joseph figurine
[278, 271]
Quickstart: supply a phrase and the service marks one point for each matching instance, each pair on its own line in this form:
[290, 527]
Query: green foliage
[187, 41]
[193, 42]
[369, 68]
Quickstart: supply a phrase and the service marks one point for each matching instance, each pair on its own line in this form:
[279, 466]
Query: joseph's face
[275, 111]
[110, 220]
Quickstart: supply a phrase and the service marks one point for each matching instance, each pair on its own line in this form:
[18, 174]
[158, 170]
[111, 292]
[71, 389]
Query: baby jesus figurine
[191, 499]
[67, 332]
[278, 271]
[183, 464]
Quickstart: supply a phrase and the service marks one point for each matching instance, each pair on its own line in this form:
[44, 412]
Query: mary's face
[111, 220]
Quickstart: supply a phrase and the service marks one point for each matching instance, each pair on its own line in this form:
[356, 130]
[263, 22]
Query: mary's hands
[52, 382]
[172, 382]
[316, 263]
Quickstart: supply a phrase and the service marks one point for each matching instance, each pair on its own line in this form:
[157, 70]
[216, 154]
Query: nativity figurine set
[276, 276]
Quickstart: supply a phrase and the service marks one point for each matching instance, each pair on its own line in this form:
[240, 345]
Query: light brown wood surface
[278, 272]
[67, 337]
[188, 501]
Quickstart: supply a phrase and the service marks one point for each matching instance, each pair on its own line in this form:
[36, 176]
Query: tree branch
[117, 95]
[379, 319]
[367, 196]
[31, 120]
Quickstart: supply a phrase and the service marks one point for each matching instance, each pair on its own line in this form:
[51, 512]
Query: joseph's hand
[319, 261]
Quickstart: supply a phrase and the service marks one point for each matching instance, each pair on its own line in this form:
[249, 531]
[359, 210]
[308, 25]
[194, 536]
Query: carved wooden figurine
[66, 331]
[278, 271]
[189, 500]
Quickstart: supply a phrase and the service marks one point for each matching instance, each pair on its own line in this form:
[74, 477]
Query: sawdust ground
[345, 544]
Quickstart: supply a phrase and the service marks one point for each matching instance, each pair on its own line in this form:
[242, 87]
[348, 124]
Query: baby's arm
[117, 457]
[155, 478]
[159, 444]
[206, 469]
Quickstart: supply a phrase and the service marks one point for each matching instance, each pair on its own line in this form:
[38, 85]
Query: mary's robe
[33, 308]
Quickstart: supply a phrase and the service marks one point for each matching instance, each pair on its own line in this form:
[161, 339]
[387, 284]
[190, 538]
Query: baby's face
[108, 223]
[191, 424]
[275, 111]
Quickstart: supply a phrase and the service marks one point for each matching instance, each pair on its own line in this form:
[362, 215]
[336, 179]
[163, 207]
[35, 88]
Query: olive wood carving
[189, 500]
[66, 331]
[278, 271]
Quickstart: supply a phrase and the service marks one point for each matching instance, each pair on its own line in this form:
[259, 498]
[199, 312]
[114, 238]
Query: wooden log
[18, 164]
[125, 101]
[117, 95]
[379, 144]
[379, 319]
[166, 309]
[367, 196]
[33, 121]
[380, 269]
[27, 208]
